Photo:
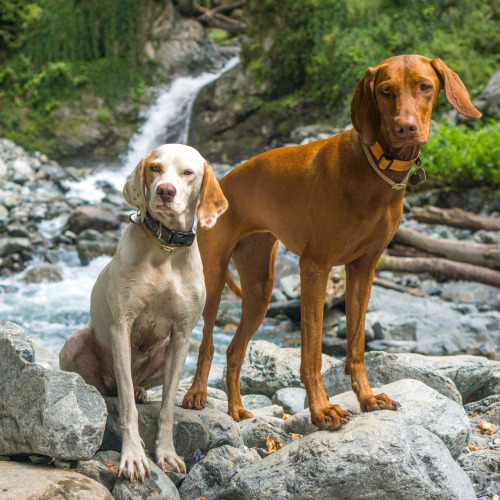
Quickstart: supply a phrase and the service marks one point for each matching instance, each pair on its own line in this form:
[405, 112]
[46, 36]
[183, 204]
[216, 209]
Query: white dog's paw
[169, 461]
[133, 462]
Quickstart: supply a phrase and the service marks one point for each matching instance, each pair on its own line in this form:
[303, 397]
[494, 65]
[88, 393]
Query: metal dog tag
[135, 218]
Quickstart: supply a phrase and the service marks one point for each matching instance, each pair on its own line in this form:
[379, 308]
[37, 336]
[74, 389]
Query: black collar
[165, 235]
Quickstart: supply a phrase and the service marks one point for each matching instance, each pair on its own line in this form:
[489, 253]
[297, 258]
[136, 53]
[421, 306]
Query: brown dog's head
[170, 180]
[395, 99]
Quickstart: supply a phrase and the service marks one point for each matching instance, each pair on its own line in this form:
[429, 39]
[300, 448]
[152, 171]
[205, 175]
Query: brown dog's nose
[166, 191]
[406, 127]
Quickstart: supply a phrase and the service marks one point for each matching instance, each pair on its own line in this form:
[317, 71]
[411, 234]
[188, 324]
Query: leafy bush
[462, 157]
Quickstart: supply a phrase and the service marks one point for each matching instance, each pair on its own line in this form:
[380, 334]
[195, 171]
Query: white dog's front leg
[133, 462]
[166, 457]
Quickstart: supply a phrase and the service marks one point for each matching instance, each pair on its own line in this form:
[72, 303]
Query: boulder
[383, 368]
[255, 430]
[254, 401]
[268, 368]
[9, 246]
[156, 486]
[45, 357]
[292, 399]
[420, 405]
[90, 217]
[45, 412]
[378, 455]
[483, 469]
[468, 373]
[103, 468]
[22, 481]
[43, 273]
[212, 475]
[91, 244]
[204, 429]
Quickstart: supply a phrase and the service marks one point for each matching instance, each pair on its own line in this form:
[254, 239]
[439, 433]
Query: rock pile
[432, 448]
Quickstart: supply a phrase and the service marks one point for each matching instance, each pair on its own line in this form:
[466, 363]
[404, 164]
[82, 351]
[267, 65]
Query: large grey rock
[46, 412]
[489, 100]
[383, 368]
[212, 475]
[291, 399]
[485, 409]
[268, 368]
[254, 401]
[255, 430]
[9, 246]
[45, 357]
[420, 405]
[440, 327]
[492, 385]
[98, 470]
[203, 429]
[21, 481]
[156, 486]
[468, 373]
[375, 456]
[483, 469]
[90, 217]
[91, 244]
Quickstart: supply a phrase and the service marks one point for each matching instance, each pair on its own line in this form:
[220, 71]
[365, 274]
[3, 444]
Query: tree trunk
[440, 268]
[455, 217]
[460, 251]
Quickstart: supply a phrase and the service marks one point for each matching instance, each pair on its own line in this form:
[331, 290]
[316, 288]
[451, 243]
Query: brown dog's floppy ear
[134, 190]
[365, 115]
[455, 90]
[212, 202]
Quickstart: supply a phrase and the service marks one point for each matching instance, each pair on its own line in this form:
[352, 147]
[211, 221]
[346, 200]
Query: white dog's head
[168, 182]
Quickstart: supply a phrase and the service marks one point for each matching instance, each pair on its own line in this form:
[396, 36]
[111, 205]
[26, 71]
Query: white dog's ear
[134, 190]
[212, 202]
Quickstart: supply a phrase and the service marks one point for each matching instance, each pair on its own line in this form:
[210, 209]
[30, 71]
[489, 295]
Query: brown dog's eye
[155, 168]
[187, 172]
[386, 91]
[424, 87]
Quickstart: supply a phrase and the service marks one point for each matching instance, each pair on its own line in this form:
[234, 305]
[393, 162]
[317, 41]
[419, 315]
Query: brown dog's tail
[233, 286]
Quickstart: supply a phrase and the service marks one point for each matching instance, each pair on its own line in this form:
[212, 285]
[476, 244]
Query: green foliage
[320, 48]
[462, 157]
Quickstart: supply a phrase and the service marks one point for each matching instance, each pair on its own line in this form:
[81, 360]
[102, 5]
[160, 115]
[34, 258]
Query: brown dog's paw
[195, 400]
[239, 414]
[379, 402]
[331, 417]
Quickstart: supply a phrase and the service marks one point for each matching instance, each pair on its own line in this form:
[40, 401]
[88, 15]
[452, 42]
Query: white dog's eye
[187, 172]
[155, 168]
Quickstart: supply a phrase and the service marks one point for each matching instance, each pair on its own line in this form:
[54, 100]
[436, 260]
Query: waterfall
[167, 120]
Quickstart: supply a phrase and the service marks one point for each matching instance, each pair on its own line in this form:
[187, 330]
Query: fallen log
[461, 251]
[396, 286]
[455, 217]
[440, 268]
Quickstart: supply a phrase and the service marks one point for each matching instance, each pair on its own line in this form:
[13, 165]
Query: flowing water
[49, 312]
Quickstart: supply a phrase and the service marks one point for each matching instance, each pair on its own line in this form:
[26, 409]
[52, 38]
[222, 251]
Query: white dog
[147, 300]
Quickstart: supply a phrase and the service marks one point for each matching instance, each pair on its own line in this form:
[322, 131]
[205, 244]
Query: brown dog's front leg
[313, 289]
[359, 276]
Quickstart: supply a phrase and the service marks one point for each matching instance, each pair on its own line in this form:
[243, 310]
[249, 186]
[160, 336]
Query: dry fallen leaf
[295, 436]
[201, 498]
[475, 414]
[111, 466]
[286, 416]
[272, 444]
[496, 497]
[487, 427]
[475, 448]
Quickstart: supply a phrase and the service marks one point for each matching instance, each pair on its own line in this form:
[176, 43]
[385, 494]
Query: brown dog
[330, 204]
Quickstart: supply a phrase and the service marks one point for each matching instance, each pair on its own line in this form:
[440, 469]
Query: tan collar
[384, 162]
